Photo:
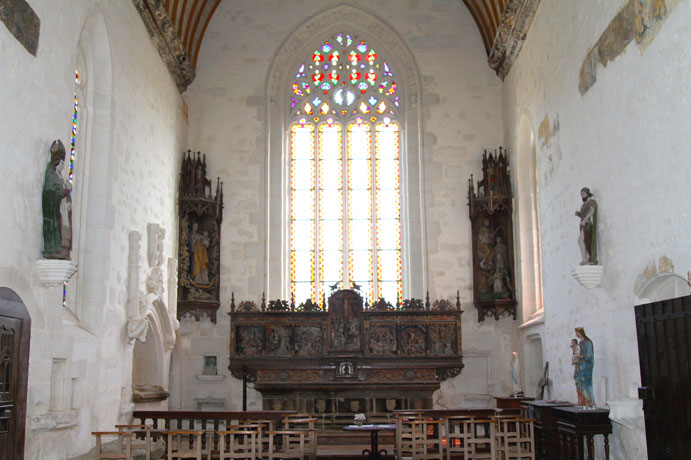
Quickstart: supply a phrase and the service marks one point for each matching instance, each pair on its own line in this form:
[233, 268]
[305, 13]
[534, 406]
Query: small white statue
[516, 376]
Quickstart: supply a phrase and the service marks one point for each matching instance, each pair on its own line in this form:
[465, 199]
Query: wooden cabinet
[507, 402]
[576, 425]
[546, 435]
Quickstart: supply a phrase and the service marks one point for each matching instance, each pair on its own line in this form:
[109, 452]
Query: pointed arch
[306, 36]
[92, 188]
[527, 221]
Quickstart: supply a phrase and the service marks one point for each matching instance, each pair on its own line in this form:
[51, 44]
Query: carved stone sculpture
[137, 324]
[140, 304]
[148, 393]
[57, 207]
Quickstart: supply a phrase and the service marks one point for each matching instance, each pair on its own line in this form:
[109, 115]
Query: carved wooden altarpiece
[491, 219]
[348, 358]
[200, 214]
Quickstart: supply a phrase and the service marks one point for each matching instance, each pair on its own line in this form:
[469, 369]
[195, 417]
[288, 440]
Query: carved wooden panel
[494, 291]
[15, 326]
[201, 213]
[347, 358]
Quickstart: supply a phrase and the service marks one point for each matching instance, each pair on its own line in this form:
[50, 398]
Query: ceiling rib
[177, 28]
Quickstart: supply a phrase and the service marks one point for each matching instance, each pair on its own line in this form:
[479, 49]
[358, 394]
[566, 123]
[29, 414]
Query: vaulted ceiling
[177, 29]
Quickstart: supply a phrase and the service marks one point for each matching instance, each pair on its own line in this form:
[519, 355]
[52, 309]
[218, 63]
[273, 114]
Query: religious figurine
[57, 207]
[543, 383]
[390, 404]
[484, 245]
[587, 239]
[516, 376]
[583, 358]
[199, 243]
[320, 406]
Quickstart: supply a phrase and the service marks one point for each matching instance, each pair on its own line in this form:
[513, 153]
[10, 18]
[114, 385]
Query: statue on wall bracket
[201, 213]
[589, 272]
[57, 206]
[492, 236]
[587, 239]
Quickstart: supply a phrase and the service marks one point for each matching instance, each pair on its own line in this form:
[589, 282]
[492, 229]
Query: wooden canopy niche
[491, 217]
[201, 213]
[348, 358]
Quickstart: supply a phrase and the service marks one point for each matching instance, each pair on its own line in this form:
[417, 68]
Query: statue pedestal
[589, 276]
[51, 272]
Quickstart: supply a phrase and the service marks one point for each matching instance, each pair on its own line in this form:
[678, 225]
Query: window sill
[210, 378]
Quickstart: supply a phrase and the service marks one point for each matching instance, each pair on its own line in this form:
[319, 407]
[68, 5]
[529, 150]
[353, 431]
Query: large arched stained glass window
[345, 198]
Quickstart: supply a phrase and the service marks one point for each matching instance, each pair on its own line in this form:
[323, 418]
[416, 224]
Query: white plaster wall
[461, 116]
[627, 139]
[139, 163]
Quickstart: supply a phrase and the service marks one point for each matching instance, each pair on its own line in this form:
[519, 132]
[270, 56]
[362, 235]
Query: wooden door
[14, 366]
[664, 347]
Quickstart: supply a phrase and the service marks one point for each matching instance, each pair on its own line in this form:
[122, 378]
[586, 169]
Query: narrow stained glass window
[75, 125]
[70, 173]
[345, 204]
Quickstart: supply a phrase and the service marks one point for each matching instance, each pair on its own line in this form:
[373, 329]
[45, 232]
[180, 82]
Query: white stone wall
[135, 157]
[460, 117]
[627, 139]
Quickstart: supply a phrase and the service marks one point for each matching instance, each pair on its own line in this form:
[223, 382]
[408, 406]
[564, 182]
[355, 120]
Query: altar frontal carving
[348, 350]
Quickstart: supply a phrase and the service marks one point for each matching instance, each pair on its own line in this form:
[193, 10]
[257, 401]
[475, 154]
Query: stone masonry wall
[136, 164]
[627, 139]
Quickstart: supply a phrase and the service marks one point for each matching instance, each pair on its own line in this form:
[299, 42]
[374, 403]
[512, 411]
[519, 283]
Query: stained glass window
[75, 125]
[345, 204]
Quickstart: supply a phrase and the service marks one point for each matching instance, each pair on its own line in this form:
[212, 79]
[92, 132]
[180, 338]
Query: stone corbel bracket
[52, 272]
[627, 412]
[166, 39]
[512, 31]
[589, 276]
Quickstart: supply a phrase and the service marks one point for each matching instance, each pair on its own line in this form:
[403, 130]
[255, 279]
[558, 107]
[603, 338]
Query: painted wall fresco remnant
[639, 19]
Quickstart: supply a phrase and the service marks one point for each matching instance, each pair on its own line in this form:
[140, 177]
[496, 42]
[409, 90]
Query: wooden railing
[202, 420]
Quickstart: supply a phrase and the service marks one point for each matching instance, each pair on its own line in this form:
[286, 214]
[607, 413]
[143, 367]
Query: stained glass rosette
[349, 76]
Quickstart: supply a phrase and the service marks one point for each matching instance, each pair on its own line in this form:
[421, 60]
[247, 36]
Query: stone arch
[15, 334]
[151, 358]
[527, 221]
[287, 55]
[93, 189]
[663, 286]
[533, 363]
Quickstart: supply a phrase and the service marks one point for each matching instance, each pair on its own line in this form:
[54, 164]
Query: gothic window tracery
[345, 183]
